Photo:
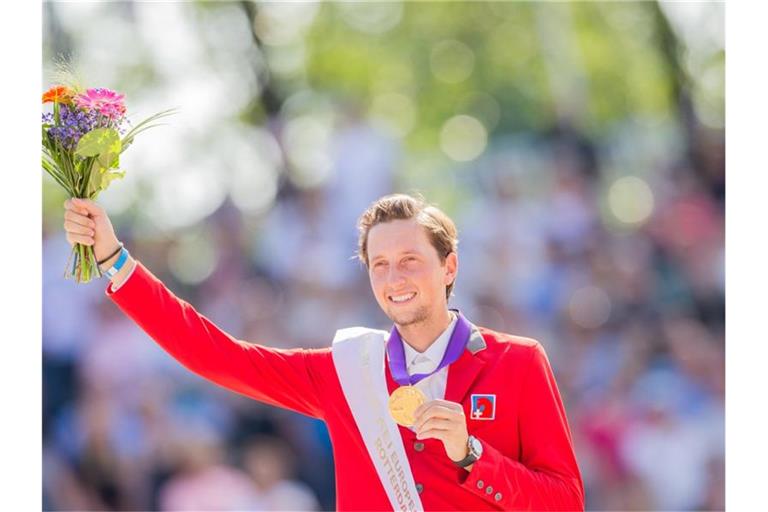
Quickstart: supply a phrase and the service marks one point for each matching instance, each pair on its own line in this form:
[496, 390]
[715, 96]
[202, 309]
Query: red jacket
[528, 461]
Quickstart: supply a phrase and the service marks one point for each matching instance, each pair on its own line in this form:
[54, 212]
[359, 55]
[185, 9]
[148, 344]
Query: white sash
[358, 355]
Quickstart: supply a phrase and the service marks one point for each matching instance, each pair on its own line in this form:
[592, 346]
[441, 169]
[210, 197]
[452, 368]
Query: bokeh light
[452, 61]
[630, 200]
[307, 146]
[482, 106]
[255, 162]
[463, 138]
[193, 256]
[589, 307]
[371, 17]
[280, 23]
[395, 113]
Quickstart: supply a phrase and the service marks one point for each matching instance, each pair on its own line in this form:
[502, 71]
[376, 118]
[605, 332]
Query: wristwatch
[475, 451]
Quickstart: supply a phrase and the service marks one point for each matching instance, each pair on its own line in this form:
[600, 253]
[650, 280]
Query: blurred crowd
[632, 318]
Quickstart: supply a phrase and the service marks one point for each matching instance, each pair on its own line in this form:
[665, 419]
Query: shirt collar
[434, 354]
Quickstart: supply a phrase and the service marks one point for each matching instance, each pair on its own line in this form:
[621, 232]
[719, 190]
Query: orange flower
[59, 94]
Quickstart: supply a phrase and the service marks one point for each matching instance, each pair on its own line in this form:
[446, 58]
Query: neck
[422, 335]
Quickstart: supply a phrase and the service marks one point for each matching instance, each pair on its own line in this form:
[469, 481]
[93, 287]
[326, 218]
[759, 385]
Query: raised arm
[291, 379]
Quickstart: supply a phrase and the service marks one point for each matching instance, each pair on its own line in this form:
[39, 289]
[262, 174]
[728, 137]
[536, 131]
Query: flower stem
[85, 266]
[67, 267]
[79, 275]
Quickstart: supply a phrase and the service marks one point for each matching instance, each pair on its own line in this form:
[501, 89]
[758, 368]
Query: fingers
[433, 433]
[435, 424]
[438, 403]
[83, 206]
[439, 414]
[74, 209]
[439, 408]
[73, 217]
[78, 229]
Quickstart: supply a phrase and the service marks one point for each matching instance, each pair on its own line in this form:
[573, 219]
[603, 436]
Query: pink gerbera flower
[104, 101]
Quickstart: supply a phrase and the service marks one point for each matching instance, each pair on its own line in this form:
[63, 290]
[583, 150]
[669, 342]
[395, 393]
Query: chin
[405, 318]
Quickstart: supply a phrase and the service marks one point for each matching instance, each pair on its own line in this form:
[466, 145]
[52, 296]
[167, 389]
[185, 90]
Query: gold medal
[403, 403]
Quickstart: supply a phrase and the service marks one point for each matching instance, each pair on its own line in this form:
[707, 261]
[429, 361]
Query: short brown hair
[440, 228]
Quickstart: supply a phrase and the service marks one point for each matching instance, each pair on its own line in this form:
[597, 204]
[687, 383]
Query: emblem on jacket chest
[483, 407]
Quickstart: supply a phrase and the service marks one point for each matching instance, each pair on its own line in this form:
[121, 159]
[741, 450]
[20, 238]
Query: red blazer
[528, 462]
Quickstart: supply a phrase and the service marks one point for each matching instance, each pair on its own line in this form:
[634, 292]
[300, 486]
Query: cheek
[376, 284]
[425, 279]
[437, 283]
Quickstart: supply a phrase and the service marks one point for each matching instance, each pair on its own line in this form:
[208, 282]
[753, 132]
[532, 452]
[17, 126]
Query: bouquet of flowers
[83, 137]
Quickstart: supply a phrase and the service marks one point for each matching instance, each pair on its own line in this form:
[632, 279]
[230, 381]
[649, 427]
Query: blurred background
[578, 146]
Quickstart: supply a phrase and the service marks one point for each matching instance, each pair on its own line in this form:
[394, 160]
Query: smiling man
[436, 414]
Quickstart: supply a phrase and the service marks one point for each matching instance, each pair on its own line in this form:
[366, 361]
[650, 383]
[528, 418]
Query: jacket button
[418, 446]
[419, 488]
[489, 490]
[480, 484]
[497, 497]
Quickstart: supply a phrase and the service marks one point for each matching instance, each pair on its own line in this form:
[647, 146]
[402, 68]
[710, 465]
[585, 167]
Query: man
[488, 431]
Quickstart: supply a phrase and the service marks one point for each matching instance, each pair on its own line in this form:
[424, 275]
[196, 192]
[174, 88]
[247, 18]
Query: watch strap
[471, 458]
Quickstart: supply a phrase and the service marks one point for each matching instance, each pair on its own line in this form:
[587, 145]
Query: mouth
[401, 299]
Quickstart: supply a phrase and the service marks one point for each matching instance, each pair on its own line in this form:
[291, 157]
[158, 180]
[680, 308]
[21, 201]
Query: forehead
[398, 236]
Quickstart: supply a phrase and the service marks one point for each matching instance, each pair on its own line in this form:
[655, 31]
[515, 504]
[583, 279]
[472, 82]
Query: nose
[394, 277]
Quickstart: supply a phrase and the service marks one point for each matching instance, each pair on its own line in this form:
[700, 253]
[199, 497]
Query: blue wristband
[118, 264]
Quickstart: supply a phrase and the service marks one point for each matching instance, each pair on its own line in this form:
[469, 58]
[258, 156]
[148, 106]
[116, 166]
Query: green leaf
[108, 161]
[101, 141]
[107, 177]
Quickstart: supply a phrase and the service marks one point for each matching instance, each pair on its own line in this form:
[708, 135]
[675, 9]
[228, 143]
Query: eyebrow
[403, 253]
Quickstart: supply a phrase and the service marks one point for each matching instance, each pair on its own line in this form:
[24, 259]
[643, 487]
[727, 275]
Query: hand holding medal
[403, 403]
[443, 420]
[405, 400]
[437, 419]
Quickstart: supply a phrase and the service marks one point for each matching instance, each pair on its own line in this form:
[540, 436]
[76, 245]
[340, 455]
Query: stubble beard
[407, 318]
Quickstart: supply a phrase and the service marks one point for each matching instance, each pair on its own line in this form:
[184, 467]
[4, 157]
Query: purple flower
[73, 124]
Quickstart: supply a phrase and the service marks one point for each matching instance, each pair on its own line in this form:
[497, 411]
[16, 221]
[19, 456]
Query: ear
[451, 267]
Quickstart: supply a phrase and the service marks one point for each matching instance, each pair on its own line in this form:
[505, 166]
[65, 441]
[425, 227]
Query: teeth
[403, 298]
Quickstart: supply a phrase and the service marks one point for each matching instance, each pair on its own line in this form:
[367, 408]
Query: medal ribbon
[456, 345]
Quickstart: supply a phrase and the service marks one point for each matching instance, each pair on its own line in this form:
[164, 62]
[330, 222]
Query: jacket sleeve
[279, 377]
[546, 477]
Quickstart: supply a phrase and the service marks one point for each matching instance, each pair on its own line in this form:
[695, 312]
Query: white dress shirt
[424, 362]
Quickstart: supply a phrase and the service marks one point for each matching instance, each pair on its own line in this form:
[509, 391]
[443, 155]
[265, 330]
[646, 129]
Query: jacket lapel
[463, 372]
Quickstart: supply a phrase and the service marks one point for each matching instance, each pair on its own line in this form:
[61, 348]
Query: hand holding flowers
[82, 140]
